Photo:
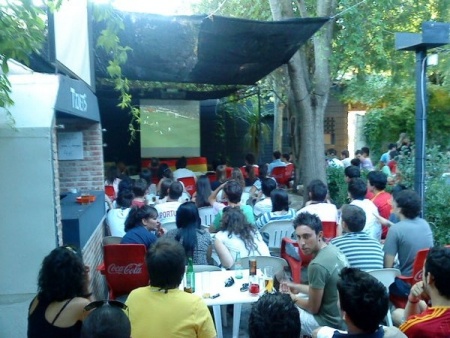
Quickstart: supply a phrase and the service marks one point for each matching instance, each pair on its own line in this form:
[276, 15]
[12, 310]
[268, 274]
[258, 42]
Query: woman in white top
[116, 217]
[237, 235]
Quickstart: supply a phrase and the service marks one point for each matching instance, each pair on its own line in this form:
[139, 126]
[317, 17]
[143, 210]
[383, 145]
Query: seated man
[320, 308]
[106, 321]
[364, 303]
[277, 162]
[409, 235]
[265, 205]
[233, 192]
[318, 204]
[181, 170]
[162, 309]
[273, 316]
[433, 322]
[168, 210]
[357, 189]
[362, 251]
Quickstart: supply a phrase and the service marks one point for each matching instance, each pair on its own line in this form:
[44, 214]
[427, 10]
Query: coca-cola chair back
[125, 268]
[189, 184]
[278, 174]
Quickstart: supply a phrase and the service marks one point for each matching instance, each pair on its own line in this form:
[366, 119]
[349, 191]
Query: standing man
[385, 158]
[277, 162]
[376, 183]
[320, 308]
[409, 235]
[434, 322]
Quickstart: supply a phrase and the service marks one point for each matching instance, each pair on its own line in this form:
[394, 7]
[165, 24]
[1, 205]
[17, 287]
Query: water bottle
[238, 266]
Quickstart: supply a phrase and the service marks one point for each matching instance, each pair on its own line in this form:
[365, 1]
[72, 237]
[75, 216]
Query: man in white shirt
[318, 204]
[333, 161]
[182, 171]
[168, 210]
[265, 205]
[357, 189]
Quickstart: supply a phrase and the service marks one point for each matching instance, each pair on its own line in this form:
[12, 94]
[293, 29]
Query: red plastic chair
[295, 265]
[329, 230]
[228, 171]
[416, 276]
[211, 176]
[278, 174]
[288, 174]
[189, 184]
[110, 192]
[124, 268]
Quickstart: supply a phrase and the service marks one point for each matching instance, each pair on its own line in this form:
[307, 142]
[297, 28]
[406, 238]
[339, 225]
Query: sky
[165, 7]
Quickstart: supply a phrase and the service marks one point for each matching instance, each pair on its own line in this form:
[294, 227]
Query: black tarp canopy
[220, 52]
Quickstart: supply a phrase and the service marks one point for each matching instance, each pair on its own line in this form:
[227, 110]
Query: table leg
[236, 319]
[218, 320]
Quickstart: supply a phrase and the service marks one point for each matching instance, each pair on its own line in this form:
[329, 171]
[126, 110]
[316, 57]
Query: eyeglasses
[99, 303]
[71, 248]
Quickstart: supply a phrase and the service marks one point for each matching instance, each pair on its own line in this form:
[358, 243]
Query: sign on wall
[70, 146]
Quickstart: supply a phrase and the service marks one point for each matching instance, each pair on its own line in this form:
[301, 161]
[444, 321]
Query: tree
[21, 32]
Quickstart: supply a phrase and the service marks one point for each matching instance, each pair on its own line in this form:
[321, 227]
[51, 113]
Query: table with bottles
[210, 285]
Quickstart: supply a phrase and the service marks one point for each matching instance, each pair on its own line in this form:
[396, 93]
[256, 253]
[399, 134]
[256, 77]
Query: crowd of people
[376, 229]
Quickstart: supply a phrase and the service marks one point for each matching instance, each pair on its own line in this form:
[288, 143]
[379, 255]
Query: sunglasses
[99, 303]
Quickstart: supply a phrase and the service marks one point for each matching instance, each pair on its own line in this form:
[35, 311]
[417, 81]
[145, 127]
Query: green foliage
[437, 189]
[384, 124]
[22, 28]
[337, 187]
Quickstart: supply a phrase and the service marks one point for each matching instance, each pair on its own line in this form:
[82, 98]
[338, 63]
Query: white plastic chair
[245, 196]
[169, 225]
[276, 231]
[386, 277]
[206, 215]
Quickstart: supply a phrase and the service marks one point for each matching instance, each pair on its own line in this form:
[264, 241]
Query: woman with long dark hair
[280, 209]
[221, 176]
[57, 309]
[201, 195]
[195, 240]
[142, 226]
[237, 235]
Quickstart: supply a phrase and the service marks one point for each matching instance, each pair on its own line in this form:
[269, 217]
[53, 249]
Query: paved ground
[296, 203]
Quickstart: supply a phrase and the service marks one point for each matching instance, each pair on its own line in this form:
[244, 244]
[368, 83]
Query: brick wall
[93, 257]
[338, 112]
[88, 173]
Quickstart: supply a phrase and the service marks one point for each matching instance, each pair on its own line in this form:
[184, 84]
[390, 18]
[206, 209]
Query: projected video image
[170, 128]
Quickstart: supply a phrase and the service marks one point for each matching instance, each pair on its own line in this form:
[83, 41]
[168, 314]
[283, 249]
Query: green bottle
[190, 277]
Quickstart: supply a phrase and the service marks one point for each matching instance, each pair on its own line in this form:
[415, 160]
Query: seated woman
[115, 218]
[237, 235]
[142, 226]
[221, 176]
[280, 209]
[195, 240]
[236, 174]
[200, 197]
[163, 189]
[140, 188]
[57, 310]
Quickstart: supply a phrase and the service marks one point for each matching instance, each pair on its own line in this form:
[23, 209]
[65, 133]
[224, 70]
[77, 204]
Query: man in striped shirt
[361, 250]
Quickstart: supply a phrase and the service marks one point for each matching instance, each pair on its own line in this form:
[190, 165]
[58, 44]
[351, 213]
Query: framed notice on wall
[70, 146]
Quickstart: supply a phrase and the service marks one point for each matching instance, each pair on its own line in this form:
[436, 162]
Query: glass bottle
[252, 266]
[190, 277]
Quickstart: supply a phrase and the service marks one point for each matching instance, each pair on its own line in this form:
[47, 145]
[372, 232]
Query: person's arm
[383, 220]
[213, 197]
[312, 303]
[388, 260]
[226, 259]
[298, 288]
[415, 304]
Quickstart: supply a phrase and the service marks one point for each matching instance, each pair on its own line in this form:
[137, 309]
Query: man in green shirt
[320, 307]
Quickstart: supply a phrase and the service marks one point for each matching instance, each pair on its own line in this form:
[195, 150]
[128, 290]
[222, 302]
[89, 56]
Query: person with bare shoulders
[57, 309]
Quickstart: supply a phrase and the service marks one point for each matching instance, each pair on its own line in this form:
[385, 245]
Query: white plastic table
[228, 295]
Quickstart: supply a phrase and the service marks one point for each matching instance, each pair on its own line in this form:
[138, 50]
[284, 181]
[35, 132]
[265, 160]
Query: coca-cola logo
[418, 276]
[130, 269]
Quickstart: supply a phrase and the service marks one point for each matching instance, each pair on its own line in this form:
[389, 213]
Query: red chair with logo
[110, 192]
[288, 174]
[124, 268]
[295, 264]
[329, 230]
[416, 276]
[189, 184]
[278, 174]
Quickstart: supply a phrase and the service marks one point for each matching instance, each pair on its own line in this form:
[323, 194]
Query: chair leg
[224, 315]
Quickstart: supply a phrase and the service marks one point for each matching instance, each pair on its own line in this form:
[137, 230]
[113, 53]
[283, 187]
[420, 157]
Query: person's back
[317, 204]
[409, 235]
[361, 250]
[162, 309]
[181, 170]
[167, 211]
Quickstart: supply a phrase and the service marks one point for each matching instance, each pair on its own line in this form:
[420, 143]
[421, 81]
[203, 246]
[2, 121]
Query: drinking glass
[268, 279]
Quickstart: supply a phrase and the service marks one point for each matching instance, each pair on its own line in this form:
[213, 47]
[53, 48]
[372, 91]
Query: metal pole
[421, 125]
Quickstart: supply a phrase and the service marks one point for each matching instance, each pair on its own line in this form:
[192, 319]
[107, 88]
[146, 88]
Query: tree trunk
[310, 87]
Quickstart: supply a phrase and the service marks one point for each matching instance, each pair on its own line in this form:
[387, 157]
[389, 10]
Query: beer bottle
[252, 266]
